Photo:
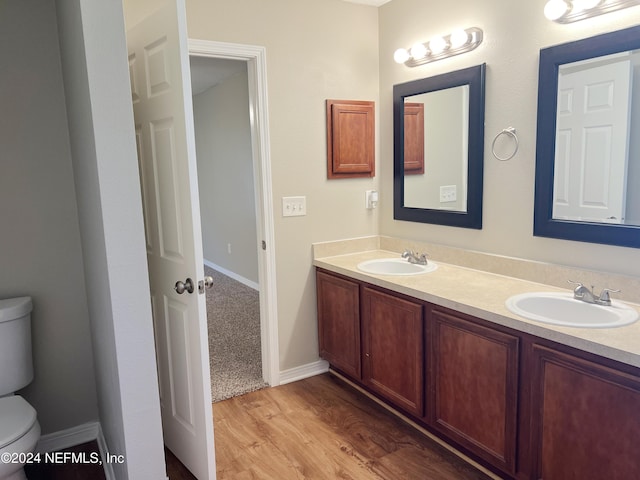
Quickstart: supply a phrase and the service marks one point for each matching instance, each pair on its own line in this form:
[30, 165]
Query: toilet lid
[16, 419]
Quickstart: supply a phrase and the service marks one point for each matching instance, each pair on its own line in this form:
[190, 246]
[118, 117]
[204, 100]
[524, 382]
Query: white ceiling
[207, 72]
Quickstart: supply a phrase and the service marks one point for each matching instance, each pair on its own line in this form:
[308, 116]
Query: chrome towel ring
[511, 132]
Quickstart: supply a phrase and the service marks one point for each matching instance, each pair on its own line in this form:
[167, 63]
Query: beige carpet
[233, 315]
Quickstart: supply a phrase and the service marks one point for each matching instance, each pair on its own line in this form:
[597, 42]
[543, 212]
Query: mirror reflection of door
[558, 181]
[592, 141]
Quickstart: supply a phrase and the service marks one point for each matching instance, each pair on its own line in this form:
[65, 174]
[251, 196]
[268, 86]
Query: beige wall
[514, 33]
[334, 49]
[315, 50]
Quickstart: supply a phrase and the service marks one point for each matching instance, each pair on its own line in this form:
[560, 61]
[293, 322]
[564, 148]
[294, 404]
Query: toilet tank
[16, 364]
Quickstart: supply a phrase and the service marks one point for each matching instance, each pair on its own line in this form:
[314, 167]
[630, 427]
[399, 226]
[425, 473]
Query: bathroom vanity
[526, 400]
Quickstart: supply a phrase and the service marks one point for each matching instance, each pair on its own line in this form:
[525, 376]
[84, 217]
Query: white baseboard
[235, 276]
[303, 371]
[53, 442]
[104, 450]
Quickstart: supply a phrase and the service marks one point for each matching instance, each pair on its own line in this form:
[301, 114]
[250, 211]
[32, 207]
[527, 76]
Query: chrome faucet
[587, 295]
[418, 258]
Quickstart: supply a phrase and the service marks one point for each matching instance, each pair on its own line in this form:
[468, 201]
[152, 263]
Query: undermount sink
[562, 309]
[395, 266]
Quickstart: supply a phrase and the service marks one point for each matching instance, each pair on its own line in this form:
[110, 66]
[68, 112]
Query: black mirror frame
[472, 218]
[544, 225]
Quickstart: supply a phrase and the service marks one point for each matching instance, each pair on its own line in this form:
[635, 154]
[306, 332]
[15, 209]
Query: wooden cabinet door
[413, 138]
[585, 419]
[473, 381]
[393, 360]
[339, 322]
[350, 139]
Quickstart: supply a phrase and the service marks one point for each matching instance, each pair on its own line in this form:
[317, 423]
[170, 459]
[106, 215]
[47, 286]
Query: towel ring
[510, 131]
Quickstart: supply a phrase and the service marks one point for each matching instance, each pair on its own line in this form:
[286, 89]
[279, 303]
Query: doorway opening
[231, 129]
[222, 128]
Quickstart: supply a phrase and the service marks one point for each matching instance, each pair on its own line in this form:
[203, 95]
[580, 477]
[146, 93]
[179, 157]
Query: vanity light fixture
[567, 11]
[437, 48]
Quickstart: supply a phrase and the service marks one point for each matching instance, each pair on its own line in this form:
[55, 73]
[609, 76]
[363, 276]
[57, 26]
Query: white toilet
[19, 427]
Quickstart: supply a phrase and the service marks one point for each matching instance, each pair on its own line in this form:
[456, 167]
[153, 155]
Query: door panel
[144, 188]
[165, 168]
[177, 326]
[592, 143]
[161, 97]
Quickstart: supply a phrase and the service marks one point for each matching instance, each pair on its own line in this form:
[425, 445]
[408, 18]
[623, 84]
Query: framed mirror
[438, 132]
[587, 156]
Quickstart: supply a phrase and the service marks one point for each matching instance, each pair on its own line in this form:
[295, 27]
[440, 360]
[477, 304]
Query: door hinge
[264, 245]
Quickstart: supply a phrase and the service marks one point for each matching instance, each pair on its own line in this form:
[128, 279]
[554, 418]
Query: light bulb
[554, 9]
[458, 38]
[437, 45]
[401, 55]
[418, 51]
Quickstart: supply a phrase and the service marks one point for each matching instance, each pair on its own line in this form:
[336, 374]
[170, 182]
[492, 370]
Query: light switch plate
[294, 206]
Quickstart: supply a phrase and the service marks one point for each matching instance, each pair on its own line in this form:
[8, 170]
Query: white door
[161, 93]
[592, 143]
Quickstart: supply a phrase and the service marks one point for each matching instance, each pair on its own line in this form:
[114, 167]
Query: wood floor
[319, 428]
[314, 429]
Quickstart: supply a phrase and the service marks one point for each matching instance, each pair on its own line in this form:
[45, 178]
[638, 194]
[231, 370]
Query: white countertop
[483, 295]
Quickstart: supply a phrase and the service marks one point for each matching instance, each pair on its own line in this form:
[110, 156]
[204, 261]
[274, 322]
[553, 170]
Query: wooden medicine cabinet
[350, 139]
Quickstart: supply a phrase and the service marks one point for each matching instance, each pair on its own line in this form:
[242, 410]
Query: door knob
[206, 283]
[186, 286]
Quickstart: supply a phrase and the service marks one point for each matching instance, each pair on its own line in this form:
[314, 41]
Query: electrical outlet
[294, 206]
[371, 199]
[448, 193]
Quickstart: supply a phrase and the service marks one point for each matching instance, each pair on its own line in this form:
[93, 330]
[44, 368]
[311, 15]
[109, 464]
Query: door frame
[255, 57]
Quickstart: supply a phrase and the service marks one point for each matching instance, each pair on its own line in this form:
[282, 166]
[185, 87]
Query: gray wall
[225, 176]
[40, 247]
[94, 59]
